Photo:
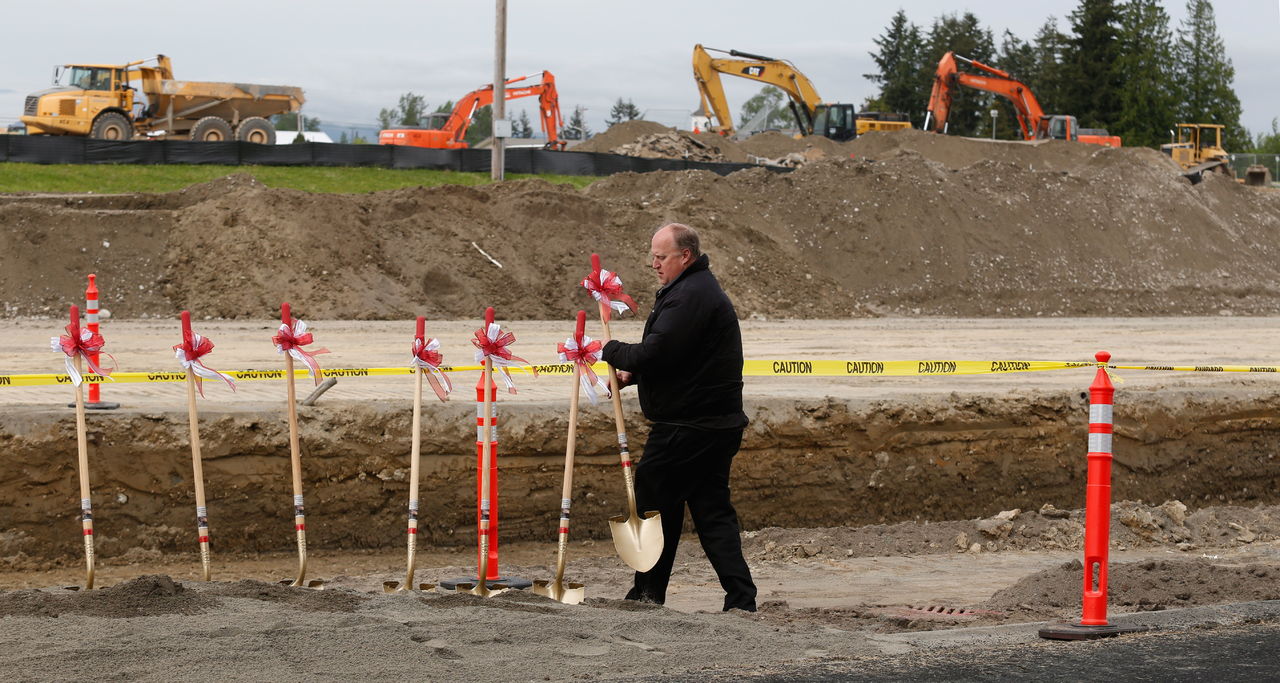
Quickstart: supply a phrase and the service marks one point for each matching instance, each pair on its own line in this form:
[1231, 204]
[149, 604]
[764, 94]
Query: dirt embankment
[917, 224]
[803, 464]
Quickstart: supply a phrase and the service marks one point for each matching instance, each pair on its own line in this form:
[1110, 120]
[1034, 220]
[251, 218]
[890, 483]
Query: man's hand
[624, 378]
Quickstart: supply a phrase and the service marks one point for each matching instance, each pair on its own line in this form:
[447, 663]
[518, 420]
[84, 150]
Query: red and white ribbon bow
[82, 342]
[585, 352]
[491, 344]
[606, 287]
[427, 356]
[189, 353]
[291, 340]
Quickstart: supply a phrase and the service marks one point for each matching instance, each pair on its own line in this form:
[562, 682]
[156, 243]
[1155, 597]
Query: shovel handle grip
[595, 263]
[420, 331]
[581, 328]
[488, 316]
[186, 325]
[75, 317]
[285, 316]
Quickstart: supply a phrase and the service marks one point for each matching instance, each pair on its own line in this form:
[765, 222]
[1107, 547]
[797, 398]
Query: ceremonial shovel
[480, 586]
[82, 462]
[637, 539]
[568, 593]
[415, 457]
[202, 515]
[295, 463]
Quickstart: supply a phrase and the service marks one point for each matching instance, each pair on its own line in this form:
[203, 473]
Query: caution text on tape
[750, 368]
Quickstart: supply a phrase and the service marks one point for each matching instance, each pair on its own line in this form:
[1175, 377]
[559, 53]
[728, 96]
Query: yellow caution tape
[898, 368]
[750, 368]
[1200, 368]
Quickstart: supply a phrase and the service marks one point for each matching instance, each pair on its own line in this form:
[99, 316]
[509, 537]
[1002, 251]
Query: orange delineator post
[493, 574]
[91, 323]
[1097, 512]
[91, 318]
[1097, 517]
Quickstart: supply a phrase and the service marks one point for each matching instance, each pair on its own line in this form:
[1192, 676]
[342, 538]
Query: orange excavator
[1035, 124]
[446, 131]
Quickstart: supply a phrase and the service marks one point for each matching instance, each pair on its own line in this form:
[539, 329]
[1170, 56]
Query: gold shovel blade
[568, 593]
[638, 540]
[395, 587]
[481, 588]
[316, 584]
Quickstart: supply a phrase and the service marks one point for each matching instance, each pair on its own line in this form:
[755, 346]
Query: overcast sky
[353, 59]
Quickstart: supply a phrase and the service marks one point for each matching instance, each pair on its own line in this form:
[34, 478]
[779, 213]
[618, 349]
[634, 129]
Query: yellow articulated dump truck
[97, 101]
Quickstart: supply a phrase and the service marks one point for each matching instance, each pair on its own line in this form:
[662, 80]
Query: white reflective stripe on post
[1100, 413]
[91, 318]
[91, 304]
[1100, 443]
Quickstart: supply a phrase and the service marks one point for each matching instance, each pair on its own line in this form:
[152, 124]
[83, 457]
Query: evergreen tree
[899, 60]
[1018, 58]
[1147, 100]
[1093, 78]
[576, 128]
[964, 36]
[1204, 75]
[623, 110]
[1047, 75]
[521, 127]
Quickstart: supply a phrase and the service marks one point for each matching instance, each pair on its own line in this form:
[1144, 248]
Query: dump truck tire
[111, 126]
[257, 130]
[211, 129]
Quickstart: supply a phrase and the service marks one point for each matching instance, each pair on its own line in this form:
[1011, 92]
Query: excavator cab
[1058, 127]
[836, 121]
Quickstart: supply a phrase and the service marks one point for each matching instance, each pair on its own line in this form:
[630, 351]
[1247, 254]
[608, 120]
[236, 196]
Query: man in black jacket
[688, 369]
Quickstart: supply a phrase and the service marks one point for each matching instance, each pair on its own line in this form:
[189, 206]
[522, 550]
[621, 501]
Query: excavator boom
[452, 134]
[948, 76]
[777, 72]
[1035, 124]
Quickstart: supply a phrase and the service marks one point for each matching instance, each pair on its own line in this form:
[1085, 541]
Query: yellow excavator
[815, 117]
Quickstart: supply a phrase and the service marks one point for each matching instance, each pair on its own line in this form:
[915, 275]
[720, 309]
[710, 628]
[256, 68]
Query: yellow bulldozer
[97, 101]
[1198, 148]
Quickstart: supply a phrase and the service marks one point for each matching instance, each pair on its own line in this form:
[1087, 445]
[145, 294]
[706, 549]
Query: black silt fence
[45, 149]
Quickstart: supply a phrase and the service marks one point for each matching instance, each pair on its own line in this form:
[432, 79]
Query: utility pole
[501, 126]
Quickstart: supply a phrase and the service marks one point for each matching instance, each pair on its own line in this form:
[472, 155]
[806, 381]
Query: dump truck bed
[231, 101]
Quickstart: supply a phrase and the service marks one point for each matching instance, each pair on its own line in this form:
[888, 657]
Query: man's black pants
[683, 465]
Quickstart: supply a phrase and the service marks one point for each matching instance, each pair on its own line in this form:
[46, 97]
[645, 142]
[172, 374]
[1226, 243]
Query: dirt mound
[917, 224]
[1141, 586]
[653, 141]
[304, 600]
[772, 145]
[141, 597]
[621, 134]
